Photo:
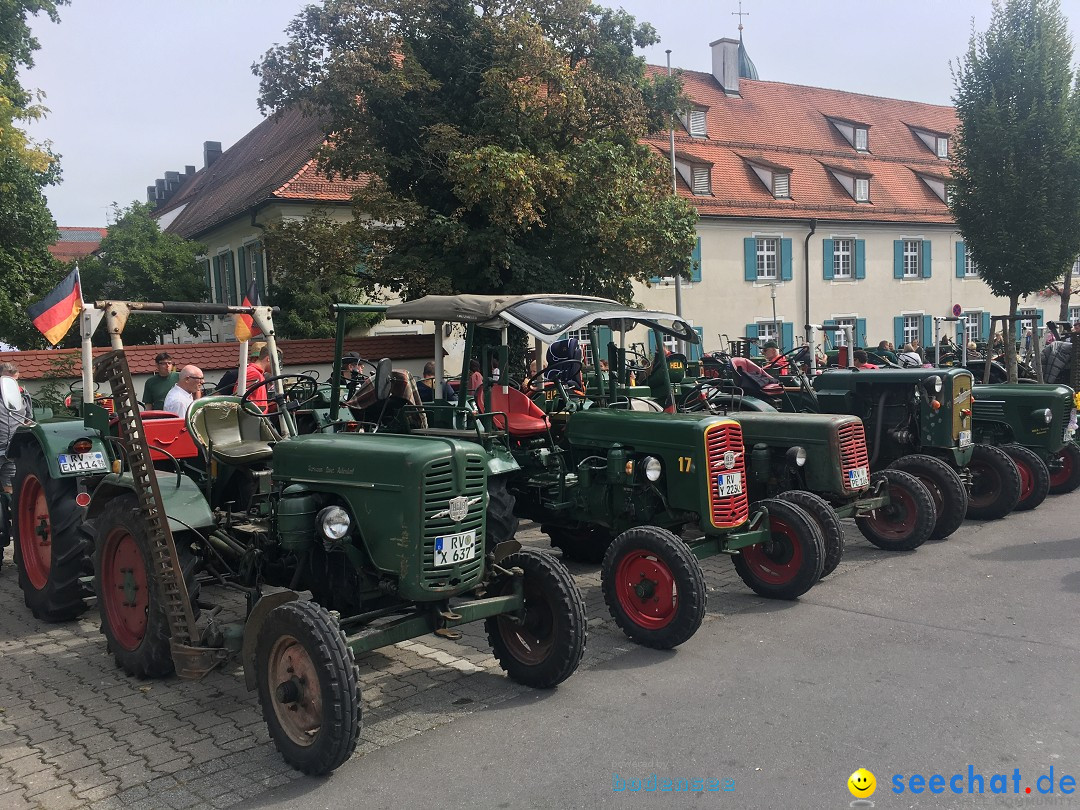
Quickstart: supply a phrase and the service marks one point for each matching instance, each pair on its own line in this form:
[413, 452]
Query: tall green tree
[26, 169]
[1016, 170]
[138, 262]
[500, 139]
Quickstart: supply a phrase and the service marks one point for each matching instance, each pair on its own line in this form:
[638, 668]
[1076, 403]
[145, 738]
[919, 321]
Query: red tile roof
[36, 365]
[788, 125]
[74, 243]
[273, 161]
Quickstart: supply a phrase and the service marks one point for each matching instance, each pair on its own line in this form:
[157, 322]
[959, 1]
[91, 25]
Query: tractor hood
[642, 430]
[791, 429]
[853, 379]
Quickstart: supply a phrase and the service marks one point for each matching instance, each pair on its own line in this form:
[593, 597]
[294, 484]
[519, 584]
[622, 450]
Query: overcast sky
[135, 87]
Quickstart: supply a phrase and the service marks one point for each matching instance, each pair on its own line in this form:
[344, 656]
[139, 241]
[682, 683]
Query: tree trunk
[1009, 338]
[1066, 294]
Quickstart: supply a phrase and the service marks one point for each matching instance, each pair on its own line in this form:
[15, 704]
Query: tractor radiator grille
[852, 451]
[724, 443]
[440, 487]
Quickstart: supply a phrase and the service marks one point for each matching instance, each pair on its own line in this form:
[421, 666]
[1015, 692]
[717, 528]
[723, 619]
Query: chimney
[211, 152]
[151, 195]
[725, 64]
[189, 172]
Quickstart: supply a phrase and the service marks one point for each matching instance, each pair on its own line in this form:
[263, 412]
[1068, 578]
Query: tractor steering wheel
[303, 390]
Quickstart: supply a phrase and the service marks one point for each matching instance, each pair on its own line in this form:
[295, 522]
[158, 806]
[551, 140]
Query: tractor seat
[233, 436]
[525, 417]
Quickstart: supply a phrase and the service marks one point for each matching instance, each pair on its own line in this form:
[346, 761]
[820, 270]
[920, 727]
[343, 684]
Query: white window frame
[840, 338]
[697, 124]
[912, 329]
[1074, 315]
[782, 185]
[843, 258]
[585, 342]
[862, 139]
[862, 189]
[768, 258]
[971, 270]
[768, 330]
[697, 172]
[972, 326]
[912, 258]
[1030, 316]
[942, 147]
[1076, 268]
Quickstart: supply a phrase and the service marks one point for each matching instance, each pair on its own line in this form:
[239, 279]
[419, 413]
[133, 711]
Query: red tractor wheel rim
[646, 590]
[124, 588]
[898, 519]
[35, 532]
[295, 691]
[778, 561]
[1027, 480]
[1062, 475]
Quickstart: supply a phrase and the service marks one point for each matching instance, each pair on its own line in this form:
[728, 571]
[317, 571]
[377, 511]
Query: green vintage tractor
[388, 533]
[610, 479]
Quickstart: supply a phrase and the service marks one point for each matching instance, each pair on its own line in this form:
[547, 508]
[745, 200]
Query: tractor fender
[252, 627]
[54, 438]
[185, 504]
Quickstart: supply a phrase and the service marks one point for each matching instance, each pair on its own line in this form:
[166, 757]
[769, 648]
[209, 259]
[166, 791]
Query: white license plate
[965, 438]
[859, 477]
[451, 549]
[729, 484]
[81, 462]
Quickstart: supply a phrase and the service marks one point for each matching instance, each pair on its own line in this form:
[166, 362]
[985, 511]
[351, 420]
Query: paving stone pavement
[76, 732]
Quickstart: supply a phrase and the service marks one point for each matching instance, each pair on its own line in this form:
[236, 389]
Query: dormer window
[857, 185]
[936, 142]
[862, 139]
[856, 133]
[775, 177]
[781, 188]
[943, 148]
[862, 189]
[697, 123]
[695, 172]
[701, 180]
[939, 184]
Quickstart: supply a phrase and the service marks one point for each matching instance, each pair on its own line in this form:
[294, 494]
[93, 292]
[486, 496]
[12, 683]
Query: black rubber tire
[793, 532]
[667, 552]
[322, 643]
[1065, 477]
[995, 487]
[909, 498]
[832, 530]
[545, 649]
[62, 595]
[587, 544]
[147, 656]
[945, 487]
[502, 524]
[1033, 469]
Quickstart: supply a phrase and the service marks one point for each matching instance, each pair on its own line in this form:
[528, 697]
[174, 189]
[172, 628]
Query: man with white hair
[188, 388]
[9, 421]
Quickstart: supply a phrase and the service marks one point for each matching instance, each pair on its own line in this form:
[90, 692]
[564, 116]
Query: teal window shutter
[926, 258]
[229, 272]
[205, 264]
[694, 351]
[860, 332]
[898, 258]
[960, 259]
[984, 326]
[242, 267]
[695, 262]
[604, 335]
[785, 260]
[652, 342]
[827, 259]
[260, 270]
[750, 258]
[860, 258]
[751, 330]
[1038, 317]
[927, 330]
[787, 334]
[898, 331]
[218, 294]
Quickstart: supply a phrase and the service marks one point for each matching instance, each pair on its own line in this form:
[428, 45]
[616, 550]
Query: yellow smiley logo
[862, 784]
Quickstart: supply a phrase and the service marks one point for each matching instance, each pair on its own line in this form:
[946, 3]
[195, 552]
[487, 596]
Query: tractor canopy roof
[541, 315]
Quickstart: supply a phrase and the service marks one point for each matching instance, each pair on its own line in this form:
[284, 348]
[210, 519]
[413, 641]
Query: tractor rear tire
[545, 648]
[502, 524]
[133, 619]
[1034, 476]
[654, 587]
[50, 553]
[308, 687]
[587, 544]
[995, 486]
[790, 563]
[1065, 477]
[908, 521]
[945, 487]
[832, 530]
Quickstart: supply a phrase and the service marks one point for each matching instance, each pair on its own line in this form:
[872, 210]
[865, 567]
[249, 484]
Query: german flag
[54, 314]
[245, 328]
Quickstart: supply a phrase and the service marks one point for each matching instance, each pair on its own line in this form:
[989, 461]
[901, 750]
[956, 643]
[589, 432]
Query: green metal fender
[54, 438]
[185, 505]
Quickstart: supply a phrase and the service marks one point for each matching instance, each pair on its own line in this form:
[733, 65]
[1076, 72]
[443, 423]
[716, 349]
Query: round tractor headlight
[797, 456]
[933, 384]
[1044, 415]
[334, 522]
[652, 467]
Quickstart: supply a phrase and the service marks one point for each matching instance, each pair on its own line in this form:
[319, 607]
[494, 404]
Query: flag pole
[241, 377]
[86, 332]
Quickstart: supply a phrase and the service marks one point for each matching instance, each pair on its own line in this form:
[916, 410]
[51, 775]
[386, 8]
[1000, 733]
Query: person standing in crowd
[861, 360]
[160, 383]
[227, 383]
[426, 386]
[476, 379]
[9, 421]
[188, 388]
[256, 373]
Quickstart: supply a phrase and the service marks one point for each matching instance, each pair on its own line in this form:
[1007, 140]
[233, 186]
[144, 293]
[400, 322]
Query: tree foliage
[138, 262]
[501, 140]
[317, 262]
[1016, 170]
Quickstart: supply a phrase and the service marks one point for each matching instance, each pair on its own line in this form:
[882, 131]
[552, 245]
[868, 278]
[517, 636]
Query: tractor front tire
[543, 647]
[995, 485]
[308, 687]
[788, 564]
[907, 521]
[945, 487]
[1065, 477]
[1034, 476]
[50, 553]
[133, 618]
[832, 530]
[502, 524]
[654, 587]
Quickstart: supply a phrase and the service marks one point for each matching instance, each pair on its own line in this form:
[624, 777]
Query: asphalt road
[959, 658]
